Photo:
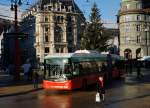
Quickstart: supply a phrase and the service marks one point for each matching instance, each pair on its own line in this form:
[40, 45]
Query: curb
[20, 93]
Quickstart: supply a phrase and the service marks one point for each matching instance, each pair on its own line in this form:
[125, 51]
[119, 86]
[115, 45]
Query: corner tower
[134, 24]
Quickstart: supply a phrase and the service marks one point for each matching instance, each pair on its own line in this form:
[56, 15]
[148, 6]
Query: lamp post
[146, 41]
[118, 35]
[14, 7]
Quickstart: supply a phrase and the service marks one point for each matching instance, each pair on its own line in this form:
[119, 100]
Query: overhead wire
[5, 16]
[3, 10]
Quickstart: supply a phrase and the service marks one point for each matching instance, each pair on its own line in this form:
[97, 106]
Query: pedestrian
[130, 66]
[30, 74]
[35, 79]
[103, 68]
[10, 69]
[138, 65]
[26, 68]
[126, 66]
[100, 88]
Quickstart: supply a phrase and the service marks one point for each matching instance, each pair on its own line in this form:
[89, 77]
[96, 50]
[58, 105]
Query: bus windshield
[58, 69]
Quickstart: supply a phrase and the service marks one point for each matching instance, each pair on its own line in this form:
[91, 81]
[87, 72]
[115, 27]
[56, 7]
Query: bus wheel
[84, 84]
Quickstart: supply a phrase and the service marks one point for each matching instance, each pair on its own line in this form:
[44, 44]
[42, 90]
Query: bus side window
[83, 68]
[76, 70]
[80, 68]
[67, 69]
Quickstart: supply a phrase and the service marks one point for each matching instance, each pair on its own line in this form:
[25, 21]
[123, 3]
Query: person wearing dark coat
[35, 79]
[139, 65]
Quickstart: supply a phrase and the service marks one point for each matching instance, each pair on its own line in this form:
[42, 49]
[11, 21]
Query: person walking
[130, 66]
[30, 74]
[26, 68]
[101, 89]
[103, 68]
[35, 79]
[139, 65]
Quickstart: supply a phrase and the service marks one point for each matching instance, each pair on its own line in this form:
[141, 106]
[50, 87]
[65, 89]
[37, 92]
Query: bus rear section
[118, 69]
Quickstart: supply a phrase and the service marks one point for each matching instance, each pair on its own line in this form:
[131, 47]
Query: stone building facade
[134, 25]
[56, 27]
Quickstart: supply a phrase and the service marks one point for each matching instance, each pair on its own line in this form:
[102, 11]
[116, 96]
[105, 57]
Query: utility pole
[17, 59]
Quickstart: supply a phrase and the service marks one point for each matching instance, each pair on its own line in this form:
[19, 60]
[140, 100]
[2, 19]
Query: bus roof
[78, 53]
[59, 55]
[82, 55]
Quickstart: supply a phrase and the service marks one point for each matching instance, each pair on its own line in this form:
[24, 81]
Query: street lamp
[17, 59]
[146, 41]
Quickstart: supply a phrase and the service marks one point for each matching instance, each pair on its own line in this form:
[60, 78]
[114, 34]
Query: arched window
[128, 53]
[138, 53]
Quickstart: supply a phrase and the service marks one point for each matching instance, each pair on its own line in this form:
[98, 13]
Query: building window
[57, 50]
[70, 29]
[127, 18]
[127, 39]
[69, 18]
[62, 18]
[58, 18]
[45, 8]
[58, 34]
[138, 39]
[138, 27]
[54, 18]
[49, 8]
[46, 19]
[58, 9]
[69, 8]
[138, 5]
[66, 8]
[127, 28]
[46, 38]
[62, 7]
[62, 50]
[145, 17]
[148, 18]
[128, 6]
[46, 49]
[46, 28]
[138, 17]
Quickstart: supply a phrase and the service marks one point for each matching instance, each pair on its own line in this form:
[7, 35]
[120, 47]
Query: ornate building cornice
[135, 11]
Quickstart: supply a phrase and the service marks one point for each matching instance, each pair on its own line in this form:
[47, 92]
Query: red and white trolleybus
[68, 71]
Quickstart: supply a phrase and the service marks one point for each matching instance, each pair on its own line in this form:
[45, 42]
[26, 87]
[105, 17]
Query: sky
[108, 8]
